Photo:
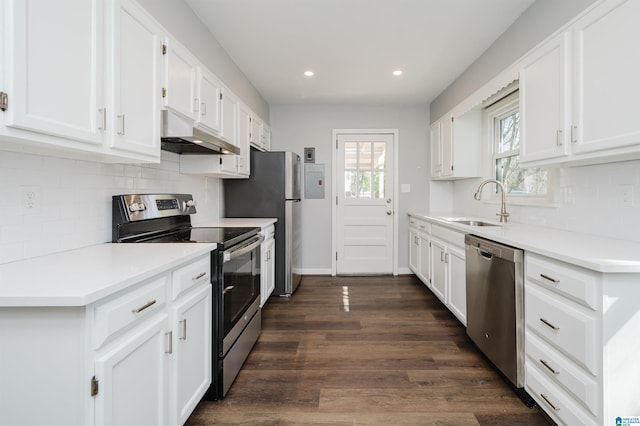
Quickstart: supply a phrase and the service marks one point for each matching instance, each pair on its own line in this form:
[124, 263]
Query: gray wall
[540, 20]
[296, 127]
[184, 25]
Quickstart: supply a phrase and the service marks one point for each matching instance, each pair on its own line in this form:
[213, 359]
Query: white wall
[588, 200]
[296, 127]
[75, 199]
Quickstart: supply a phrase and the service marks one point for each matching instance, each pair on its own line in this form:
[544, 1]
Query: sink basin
[470, 222]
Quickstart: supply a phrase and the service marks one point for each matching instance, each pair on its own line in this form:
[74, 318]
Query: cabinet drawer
[196, 272]
[122, 312]
[449, 235]
[571, 281]
[570, 330]
[419, 224]
[560, 370]
[553, 400]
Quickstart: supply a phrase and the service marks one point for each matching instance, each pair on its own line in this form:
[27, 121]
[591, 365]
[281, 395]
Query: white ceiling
[354, 45]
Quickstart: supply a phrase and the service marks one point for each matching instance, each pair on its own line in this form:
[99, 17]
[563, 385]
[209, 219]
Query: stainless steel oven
[235, 272]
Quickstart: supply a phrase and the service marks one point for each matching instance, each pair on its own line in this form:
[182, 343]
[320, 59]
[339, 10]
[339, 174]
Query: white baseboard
[315, 271]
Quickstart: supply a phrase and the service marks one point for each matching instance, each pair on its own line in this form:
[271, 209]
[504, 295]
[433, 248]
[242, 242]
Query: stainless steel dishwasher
[495, 308]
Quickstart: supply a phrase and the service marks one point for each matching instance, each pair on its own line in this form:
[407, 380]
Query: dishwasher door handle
[484, 254]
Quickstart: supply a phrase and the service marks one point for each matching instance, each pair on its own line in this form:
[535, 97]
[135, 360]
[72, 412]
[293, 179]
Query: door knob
[389, 212]
[388, 200]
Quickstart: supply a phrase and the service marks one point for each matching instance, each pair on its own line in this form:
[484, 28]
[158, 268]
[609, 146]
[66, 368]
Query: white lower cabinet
[132, 377]
[581, 328]
[267, 264]
[437, 257]
[141, 356]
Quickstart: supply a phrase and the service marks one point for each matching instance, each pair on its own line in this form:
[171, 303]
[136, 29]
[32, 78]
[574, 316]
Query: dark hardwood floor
[365, 351]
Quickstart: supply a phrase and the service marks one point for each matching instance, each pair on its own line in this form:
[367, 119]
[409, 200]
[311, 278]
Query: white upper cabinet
[229, 117]
[53, 78]
[455, 146]
[579, 90]
[544, 101]
[244, 132]
[210, 91]
[180, 85]
[133, 114]
[605, 76]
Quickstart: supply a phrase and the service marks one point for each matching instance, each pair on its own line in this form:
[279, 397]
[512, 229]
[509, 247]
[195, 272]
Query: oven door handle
[234, 252]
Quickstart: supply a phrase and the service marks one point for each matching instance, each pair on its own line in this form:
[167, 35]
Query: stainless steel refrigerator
[272, 190]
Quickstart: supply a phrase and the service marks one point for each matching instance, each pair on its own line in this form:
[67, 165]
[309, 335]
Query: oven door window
[241, 286]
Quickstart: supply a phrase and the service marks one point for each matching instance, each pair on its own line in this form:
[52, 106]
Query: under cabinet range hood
[181, 137]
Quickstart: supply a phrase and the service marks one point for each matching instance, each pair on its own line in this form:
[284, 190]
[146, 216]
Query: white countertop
[590, 251]
[82, 276]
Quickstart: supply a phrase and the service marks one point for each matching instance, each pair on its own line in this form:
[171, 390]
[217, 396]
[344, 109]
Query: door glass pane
[379, 186]
[350, 184]
[379, 157]
[364, 184]
[509, 129]
[364, 159]
[351, 155]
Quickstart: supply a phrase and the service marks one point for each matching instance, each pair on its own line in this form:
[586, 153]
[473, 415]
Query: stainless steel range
[166, 218]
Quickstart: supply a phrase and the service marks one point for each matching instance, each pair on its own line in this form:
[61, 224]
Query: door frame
[334, 190]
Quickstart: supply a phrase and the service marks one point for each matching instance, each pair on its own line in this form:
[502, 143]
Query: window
[503, 123]
[364, 166]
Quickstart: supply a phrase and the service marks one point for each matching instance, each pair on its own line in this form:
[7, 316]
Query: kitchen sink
[470, 222]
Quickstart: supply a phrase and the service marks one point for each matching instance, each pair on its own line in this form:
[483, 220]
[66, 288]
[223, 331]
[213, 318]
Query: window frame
[493, 113]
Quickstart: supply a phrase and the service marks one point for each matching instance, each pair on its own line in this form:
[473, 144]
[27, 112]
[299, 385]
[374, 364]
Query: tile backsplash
[601, 199]
[50, 204]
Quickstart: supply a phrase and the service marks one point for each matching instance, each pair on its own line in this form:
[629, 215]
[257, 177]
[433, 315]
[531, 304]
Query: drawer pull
[143, 307]
[546, 364]
[200, 275]
[169, 336]
[548, 278]
[547, 323]
[183, 329]
[546, 399]
[228, 288]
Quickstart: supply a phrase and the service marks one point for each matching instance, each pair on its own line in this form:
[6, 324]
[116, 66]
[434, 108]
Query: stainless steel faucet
[503, 209]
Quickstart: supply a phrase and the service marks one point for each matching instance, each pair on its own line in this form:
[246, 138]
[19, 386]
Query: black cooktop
[224, 237]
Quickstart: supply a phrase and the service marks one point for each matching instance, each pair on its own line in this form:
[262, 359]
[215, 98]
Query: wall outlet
[30, 199]
[626, 196]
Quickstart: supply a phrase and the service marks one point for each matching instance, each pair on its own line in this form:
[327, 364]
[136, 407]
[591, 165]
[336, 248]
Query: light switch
[405, 187]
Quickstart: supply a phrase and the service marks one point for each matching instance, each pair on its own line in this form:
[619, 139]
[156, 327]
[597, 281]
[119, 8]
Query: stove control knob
[192, 203]
[137, 207]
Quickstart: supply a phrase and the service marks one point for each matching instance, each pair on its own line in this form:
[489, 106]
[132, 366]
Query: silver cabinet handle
[143, 307]
[548, 278]
[203, 108]
[183, 329]
[574, 134]
[200, 275]
[169, 336]
[559, 138]
[120, 124]
[546, 364]
[102, 115]
[546, 399]
[547, 323]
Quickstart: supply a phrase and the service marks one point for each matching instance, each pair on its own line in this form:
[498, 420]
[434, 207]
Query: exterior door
[364, 213]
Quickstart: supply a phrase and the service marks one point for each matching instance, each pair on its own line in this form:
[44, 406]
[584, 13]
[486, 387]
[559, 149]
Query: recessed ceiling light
[397, 72]
[308, 73]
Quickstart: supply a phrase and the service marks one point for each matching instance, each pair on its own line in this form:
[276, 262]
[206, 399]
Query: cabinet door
[54, 68]
[133, 120]
[265, 137]
[544, 102]
[256, 132]
[606, 83]
[244, 130]
[268, 273]
[413, 250]
[209, 112]
[436, 149]
[229, 117]
[180, 81]
[439, 269]
[424, 259]
[191, 372]
[132, 377]
[457, 283]
[446, 147]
